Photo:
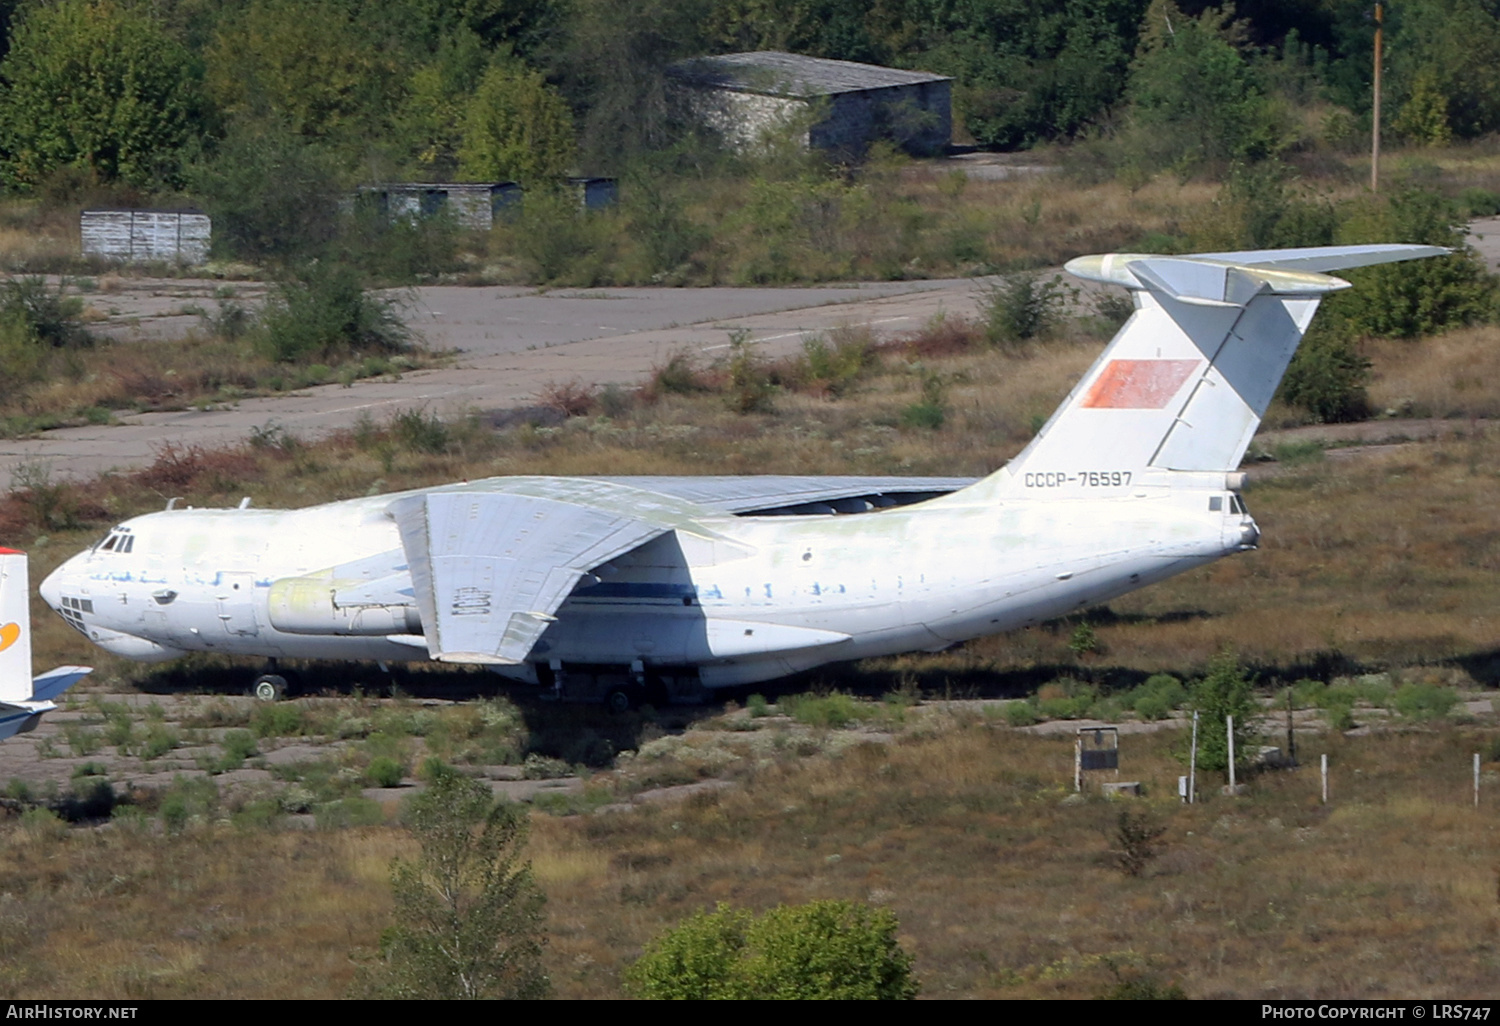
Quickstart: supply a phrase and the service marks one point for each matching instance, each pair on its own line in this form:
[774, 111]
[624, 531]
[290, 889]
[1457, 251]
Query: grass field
[902, 782]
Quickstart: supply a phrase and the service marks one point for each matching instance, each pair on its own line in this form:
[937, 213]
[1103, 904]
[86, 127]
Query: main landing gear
[275, 684]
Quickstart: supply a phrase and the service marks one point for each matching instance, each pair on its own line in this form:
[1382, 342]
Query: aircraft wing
[772, 492]
[489, 568]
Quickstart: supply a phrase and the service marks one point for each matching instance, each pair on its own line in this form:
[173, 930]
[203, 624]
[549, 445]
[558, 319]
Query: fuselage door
[236, 598]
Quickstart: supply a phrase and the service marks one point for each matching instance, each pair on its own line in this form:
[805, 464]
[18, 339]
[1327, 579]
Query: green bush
[1413, 299]
[348, 812]
[831, 711]
[1424, 701]
[823, 950]
[1023, 307]
[48, 316]
[1066, 699]
[1020, 714]
[1157, 697]
[239, 745]
[384, 771]
[277, 720]
[758, 706]
[1328, 375]
[750, 386]
[1224, 691]
[324, 313]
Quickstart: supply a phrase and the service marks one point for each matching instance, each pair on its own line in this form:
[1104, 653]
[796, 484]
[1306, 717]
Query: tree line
[161, 92]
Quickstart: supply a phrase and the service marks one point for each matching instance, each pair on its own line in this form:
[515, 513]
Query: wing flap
[490, 568]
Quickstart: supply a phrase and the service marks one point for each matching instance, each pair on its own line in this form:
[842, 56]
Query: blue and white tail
[1184, 384]
[22, 698]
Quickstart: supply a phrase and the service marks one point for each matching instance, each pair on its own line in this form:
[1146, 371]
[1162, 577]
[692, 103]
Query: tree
[313, 66]
[468, 913]
[92, 84]
[822, 950]
[1194, 98]
[516, 129]
[1224, 691]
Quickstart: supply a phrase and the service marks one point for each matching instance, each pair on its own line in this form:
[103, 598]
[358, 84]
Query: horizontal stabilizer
[49, 685]
[1234, 279]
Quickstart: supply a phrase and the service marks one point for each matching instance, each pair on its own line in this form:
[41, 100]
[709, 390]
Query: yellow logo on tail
[8, 635]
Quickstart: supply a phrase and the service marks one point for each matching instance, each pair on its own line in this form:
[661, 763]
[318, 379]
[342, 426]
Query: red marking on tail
[1138, 384]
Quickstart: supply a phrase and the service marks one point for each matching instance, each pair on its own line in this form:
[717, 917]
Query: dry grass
[959, 825]
[1002, 884]
[1452, 375]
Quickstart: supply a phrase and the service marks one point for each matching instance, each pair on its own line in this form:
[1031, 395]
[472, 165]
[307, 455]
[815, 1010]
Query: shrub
[823, 950]
[48, 316]
[468, 914]
[757, 706]
[324, 313]
[1065, 699]
[830, 711]
[384, 771]
[278, 720]
[1020, 714]
[1135, 837]
[932, 410]
[239, 745]
[1157, 697]
[1424, 701]
[1023, 307]
[1224, 691]
[416, 431]
[1327, 376]
[750, 384]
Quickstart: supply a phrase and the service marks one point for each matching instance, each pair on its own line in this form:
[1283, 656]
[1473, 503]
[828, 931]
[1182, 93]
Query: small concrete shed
[474, 205]
[172, 236]
[845, 105]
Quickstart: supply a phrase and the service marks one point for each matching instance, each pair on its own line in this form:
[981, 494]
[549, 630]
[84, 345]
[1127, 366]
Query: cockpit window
[118, 540]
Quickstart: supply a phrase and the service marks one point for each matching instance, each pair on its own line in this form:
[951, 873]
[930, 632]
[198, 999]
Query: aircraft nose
[52, 588]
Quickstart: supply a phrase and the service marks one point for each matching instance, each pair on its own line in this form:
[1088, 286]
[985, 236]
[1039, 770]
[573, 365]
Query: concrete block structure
[474, 205]
[173, 236]
[836, 106]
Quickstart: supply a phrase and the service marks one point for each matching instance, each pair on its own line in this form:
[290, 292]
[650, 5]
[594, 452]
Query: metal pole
[1229, 726]
[1375, 122]
[1291, 736]
[1476, 780]
[1078, 762]
[1193, 764]
[1325, 778]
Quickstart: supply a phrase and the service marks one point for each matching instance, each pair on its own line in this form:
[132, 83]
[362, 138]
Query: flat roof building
[836, 106]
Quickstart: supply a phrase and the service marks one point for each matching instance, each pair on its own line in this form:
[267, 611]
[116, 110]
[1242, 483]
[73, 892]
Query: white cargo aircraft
[634, 585]
[23, 699]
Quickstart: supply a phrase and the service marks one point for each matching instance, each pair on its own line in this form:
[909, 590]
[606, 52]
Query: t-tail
[23, 699]
[1183, 386]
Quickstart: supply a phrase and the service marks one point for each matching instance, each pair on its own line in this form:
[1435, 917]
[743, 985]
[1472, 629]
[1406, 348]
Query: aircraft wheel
[269, 687]
[619, 701]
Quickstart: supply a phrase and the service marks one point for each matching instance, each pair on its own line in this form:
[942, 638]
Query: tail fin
[15, 627]
[22, 699]
[1185, 382]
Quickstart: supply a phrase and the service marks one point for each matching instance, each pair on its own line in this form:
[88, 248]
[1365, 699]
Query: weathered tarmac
[511, 344]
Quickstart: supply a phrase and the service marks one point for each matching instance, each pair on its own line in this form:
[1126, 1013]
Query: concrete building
[173, 236]
[837, 106]
[474, 205]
